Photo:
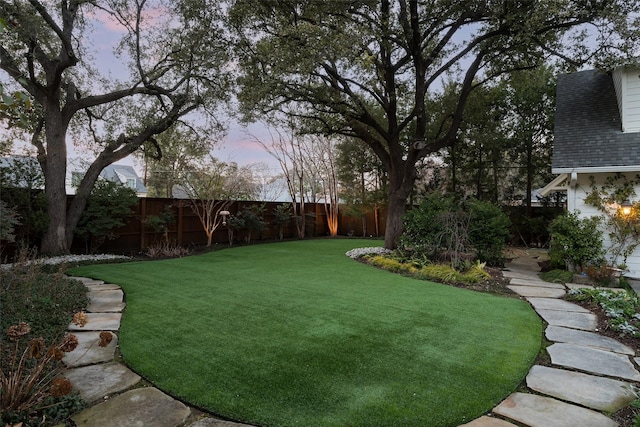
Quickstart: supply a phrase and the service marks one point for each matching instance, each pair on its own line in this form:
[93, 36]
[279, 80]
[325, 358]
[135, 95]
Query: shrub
[576, 241]
[391, 264]
[445, 230]
[476, 273]
[440, 273]
[488, 231]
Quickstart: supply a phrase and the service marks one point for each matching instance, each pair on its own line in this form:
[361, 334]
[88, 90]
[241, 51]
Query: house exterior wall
[576, 195]
[626, 82]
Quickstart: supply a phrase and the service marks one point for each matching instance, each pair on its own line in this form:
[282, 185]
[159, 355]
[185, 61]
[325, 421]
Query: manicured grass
[296, 333]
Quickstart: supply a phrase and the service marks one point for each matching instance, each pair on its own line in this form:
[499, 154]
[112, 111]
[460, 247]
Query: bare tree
[213, 188]
[321, 159]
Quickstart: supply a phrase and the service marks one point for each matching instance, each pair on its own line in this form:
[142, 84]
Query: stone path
[591, 375]
[115, 392]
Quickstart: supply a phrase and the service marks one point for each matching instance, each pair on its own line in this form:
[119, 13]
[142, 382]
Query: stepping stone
[584, 321]
[556, 304]
[588, 339]
[86, 280]
[534, 291]
[602, 394]
[104, 301]
[486, 421]
[138, 407]
[99, 322]
[107, 295]
[212, 422]
[520, 274]
[95, 382]
[89, 352]
[593, 360]
[540, 411]
[105, 307]
[535, 282]
[103, 287]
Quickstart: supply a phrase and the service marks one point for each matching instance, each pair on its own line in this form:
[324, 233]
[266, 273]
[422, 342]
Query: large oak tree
[373, 69]
[173, 57]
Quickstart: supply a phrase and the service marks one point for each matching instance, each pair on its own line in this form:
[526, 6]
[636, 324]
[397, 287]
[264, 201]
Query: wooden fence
[186, 229]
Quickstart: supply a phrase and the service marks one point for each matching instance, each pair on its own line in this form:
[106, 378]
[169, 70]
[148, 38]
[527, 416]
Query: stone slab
[212, 422]
[88, 351]
[138, 407]
[602, 394]
[593, 360]
[535, 282]
[534, 291]
[103, 287]
[99, 322]
[556, 304]
[106, 295]
[583, 321]
[585, 338]
[486, 421]
[86, 280]
[95, 382]
[105, 307]
[540, 411]
[520, 274]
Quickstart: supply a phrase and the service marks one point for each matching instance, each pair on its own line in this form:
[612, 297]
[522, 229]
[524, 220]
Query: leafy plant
[576, 241]
[621, 308]
[160, 223]
[30, 375]
[623, 228]
[108, 207]
[488, 231]
[282, 215]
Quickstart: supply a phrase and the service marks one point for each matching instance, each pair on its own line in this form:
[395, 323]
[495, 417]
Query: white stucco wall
[575, 202]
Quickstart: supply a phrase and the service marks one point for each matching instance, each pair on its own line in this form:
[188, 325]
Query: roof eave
[597, 169]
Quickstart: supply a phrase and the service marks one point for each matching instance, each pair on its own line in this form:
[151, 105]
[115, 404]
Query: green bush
[440, 226]
[489, 230]
[576, 241]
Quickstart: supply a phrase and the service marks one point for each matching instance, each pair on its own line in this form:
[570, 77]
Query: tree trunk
[395, 215]
[54, 240]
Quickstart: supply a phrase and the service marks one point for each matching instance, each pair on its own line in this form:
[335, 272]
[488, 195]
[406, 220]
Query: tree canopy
[373, 69]
[175, 55]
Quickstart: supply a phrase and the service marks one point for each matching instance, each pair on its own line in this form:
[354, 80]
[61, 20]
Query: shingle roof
[588, 132]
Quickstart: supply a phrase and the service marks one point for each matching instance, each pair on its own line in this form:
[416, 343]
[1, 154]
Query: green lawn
[296, 333]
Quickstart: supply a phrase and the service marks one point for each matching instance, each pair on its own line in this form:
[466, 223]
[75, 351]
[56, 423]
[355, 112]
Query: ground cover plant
[297, 333]
[36, 308]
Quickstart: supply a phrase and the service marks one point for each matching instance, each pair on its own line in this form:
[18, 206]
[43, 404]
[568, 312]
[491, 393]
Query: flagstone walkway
[590, 374]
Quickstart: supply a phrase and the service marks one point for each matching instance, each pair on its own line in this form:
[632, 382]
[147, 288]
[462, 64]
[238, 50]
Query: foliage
[29, 373]
[176, 64]
[623, 228]
[368, 69]
[9, 219]
[108, 207]
[282, 215]
[577, 241]
[21, 183]
[250, 219]
[622, 308]
[488, 231]
[212, 187]
[46, 302]
[161, 223]
[442, 228]
[166, 250]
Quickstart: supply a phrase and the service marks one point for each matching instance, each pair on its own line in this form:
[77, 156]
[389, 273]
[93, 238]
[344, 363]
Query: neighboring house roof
[124, 174]
[588, 134]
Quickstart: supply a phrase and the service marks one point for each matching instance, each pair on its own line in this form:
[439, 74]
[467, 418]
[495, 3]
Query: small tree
[212, 188]
[252, 217]
[160, 223]
[282, 216]
[108, 207]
